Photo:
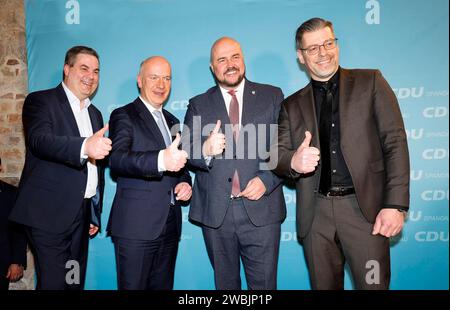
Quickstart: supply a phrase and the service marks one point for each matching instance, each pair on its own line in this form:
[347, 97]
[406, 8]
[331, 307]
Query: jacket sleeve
[122, 159]
[391, 131]
[40, 138]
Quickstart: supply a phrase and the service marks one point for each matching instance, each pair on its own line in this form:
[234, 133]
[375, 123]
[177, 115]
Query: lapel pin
[253, 92]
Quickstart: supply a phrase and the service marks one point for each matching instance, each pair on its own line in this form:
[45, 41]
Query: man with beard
[236, 199]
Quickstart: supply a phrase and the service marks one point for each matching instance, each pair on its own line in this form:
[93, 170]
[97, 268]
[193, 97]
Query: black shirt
[339, 173]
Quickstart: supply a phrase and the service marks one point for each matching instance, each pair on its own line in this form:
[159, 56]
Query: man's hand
[183, 191]
[389, 222]
[174, 159]
[15, 272]
[215, 144]
[306, 158]
[254, 189]
[97, 146]
[92, 229]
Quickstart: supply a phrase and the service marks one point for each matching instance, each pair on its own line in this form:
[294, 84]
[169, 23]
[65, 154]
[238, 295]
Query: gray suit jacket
[212, 186]
[373, 143]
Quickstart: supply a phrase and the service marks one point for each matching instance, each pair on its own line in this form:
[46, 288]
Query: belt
[338, 191]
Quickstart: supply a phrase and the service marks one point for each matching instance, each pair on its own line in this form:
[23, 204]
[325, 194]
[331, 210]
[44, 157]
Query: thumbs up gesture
[97, 146]
[306, 157]
[215, 144]
[174, 159]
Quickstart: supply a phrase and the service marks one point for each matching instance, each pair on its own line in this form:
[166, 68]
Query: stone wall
[13, 89]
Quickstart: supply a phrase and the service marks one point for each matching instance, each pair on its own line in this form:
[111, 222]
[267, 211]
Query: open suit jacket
[53, 181]
[212, 186]
[373, 143]
[141, 204]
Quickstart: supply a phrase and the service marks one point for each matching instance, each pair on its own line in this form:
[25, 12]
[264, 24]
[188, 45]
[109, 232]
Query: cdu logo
[435, 195]
[415, 134]
[403, 93]
[435, 112]
[416, 175]
[431, 236]
[430, 154]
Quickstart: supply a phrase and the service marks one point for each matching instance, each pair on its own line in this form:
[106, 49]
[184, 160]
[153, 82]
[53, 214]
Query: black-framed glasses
[314, 49]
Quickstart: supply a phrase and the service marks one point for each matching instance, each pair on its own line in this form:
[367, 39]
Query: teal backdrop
[408, 40]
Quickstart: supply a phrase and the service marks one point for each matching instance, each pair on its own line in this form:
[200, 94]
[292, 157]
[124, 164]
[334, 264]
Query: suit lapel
[249, 103]
[95, 121]
[346, 81]
[309, 115]
[149, 122]
[170, 123]
[67, 111]
[220, 108]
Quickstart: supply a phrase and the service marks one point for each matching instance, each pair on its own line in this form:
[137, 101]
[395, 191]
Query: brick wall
[13, 88]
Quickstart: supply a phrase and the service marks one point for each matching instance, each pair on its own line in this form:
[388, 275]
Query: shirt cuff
[208, 160]
[400, 208]
[83, 156]
[161, 165]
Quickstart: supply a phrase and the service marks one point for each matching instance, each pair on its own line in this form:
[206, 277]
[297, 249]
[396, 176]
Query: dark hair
[72, 53]
[312, 24]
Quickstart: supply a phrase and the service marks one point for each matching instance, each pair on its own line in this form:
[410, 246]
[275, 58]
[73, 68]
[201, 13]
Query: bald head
[227, 62]
[154, 80]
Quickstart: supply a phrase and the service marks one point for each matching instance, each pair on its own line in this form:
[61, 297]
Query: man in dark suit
[13, 243]
[61, 188]
[145, 220]
[236, 199]
[342, 139]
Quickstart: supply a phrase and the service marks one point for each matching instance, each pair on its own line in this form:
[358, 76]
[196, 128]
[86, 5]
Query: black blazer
[13, 242]
[142, 199]
[53, 180]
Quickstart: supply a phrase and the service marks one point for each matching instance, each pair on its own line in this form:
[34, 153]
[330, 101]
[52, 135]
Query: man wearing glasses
[342, 139]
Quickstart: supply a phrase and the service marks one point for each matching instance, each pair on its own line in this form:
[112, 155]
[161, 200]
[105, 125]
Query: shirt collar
[334, 80]
[149, 106]
[73, 100]
[239, 89]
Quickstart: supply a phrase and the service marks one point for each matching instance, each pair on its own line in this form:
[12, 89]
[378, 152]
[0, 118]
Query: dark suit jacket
[53, 180]
[13, 243]
[373, 143]
[212, 185]
[141, 203]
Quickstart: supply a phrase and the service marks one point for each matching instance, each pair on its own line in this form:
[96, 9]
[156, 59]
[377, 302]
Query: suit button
[229, 180]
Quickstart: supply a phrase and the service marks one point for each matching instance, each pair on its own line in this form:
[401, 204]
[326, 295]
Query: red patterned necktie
[234, 119]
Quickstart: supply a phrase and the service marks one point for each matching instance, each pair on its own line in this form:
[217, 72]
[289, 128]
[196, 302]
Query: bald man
[236, 200]
[145, 220]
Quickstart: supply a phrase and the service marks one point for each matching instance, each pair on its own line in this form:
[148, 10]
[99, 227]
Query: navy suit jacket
[53, 181]
[212, 185]
[141, 203]
[13, 242]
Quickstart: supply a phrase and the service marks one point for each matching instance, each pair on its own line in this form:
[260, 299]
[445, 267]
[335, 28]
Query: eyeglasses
[314, 49]
[154, 78]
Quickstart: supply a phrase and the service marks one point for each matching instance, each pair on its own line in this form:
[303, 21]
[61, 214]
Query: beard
[228, 83]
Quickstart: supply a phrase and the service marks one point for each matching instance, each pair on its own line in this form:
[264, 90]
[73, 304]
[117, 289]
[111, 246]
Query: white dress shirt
[151, 109]
[85, 128]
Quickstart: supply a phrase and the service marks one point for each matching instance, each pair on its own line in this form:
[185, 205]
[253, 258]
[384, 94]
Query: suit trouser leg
[60, 259]
[237, 238]
[340, 233]
[368, 256]
[147, 264]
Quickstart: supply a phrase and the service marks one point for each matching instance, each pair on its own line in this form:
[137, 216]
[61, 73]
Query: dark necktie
[234, 119]
[324, 136]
